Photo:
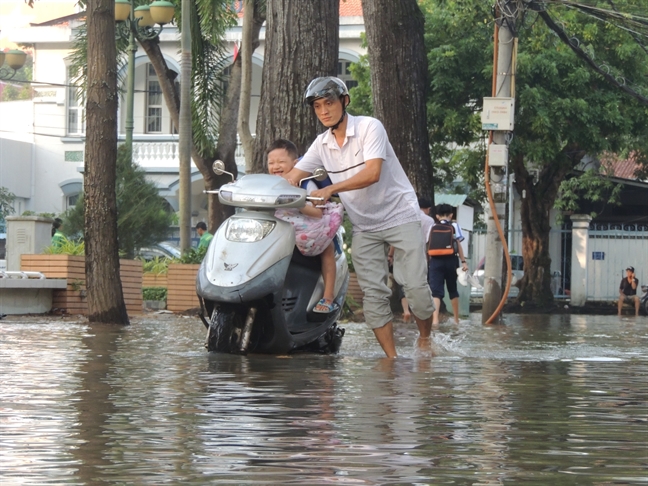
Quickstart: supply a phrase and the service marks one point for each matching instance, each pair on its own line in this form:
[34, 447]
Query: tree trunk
[105, 296]
[301, 44]
[538, 199]
[254, 16]
[399, 84]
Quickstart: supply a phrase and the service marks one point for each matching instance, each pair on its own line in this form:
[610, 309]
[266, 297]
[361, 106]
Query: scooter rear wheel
[225, 329]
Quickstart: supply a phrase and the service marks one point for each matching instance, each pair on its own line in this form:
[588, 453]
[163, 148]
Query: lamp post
[10, 63]
[138, 23]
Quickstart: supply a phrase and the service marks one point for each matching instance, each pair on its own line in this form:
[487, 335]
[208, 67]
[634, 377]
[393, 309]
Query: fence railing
[612, 247]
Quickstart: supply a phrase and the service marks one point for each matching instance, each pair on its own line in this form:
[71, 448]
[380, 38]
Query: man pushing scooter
[381, 204]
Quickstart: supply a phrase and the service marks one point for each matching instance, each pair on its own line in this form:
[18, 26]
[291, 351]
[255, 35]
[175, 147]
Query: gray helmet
[327, 87]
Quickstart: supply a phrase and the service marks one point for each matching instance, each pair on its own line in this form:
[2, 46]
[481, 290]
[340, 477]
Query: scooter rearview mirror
[219, 168]
[320, 174]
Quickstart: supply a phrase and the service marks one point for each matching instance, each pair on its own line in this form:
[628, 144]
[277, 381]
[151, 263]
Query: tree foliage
[564, 109]
[143, 216]
[7, 199]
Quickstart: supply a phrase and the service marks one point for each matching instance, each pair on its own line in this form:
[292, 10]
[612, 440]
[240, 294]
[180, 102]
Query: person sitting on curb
[628, 290]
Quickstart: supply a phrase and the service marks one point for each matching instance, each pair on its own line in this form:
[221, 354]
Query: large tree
[395, 39]
[301, 44]
[564, 108]
[105, 296]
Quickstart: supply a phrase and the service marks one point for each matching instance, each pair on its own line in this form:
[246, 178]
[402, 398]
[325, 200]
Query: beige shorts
[410, 270]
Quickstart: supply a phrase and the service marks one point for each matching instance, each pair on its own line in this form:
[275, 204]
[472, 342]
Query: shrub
[154, 293]
[158, 265]
[69, 247]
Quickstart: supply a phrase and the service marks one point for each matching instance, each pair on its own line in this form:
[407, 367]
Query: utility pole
[185, 134]
[507, 13]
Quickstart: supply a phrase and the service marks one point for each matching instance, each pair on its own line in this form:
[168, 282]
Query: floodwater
[546, 400]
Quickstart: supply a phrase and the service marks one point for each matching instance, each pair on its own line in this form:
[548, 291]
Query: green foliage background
[143, 216]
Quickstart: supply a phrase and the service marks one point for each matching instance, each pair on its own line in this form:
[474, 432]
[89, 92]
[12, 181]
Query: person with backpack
[443, 248]
[314, 227]
[380, 202]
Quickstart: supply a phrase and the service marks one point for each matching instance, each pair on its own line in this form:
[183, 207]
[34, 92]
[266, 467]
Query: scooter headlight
[248, 230]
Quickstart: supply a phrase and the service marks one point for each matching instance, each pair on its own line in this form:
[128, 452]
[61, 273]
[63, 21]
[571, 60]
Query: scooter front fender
[265, 283]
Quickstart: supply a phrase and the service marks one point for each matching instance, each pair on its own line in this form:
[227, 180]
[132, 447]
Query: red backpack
[442, 241]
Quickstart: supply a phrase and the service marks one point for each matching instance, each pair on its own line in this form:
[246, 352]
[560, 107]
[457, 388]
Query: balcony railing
[165, 154]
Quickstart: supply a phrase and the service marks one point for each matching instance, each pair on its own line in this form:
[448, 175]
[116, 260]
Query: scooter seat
[314, 263]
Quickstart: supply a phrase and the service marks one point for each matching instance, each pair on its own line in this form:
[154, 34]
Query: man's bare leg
[425, 331]
[385, 337]
[621, 299]
[636, 299]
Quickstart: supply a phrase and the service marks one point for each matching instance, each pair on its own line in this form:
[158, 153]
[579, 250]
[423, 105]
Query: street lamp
[138, 23]
[11, 62]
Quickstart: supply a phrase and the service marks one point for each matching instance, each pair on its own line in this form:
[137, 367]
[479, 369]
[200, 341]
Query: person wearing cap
[628, 290]
[380, 202]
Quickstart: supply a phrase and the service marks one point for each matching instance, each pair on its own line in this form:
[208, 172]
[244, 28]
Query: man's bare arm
[366, 177]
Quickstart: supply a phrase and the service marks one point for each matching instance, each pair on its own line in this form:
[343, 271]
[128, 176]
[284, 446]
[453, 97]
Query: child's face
[279, 162]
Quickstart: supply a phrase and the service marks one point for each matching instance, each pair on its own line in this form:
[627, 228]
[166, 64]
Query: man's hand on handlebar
[325, 193]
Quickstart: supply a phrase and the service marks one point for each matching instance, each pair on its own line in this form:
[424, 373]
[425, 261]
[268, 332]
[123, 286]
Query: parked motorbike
[643, 302]
[256, 290]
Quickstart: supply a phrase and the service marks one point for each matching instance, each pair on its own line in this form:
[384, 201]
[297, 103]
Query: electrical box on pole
[497, 155]
[498, 114]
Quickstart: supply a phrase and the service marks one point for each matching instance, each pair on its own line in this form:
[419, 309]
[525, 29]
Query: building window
[153, 102]
[75, 113]
[344, 73]
[72, 200]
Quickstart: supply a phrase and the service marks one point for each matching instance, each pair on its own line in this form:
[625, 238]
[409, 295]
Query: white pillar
[26, 234]
[580, 240]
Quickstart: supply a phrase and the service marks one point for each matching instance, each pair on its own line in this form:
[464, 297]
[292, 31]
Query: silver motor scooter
[256, 290]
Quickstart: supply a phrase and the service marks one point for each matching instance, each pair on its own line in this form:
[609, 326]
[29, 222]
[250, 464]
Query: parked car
[159, 250]
[517, 270]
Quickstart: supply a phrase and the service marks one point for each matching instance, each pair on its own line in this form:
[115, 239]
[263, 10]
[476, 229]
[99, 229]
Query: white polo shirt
[389, 202]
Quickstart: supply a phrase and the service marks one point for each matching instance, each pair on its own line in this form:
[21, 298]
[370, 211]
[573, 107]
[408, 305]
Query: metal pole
[494, 257]
[185, 136]
[130, 89]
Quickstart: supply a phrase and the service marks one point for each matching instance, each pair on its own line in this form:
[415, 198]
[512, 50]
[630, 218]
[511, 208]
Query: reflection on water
[539, 400]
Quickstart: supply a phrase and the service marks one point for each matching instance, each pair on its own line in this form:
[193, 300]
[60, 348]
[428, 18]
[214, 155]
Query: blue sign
[598, 255]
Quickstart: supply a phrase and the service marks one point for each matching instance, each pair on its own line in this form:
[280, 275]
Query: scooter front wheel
[225, 330]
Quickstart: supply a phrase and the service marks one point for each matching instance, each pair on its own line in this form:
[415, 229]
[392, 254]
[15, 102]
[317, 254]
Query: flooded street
[558, 400]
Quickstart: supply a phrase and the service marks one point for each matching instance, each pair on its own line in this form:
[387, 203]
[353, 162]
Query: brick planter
[73, 299]
[154, 280]
[181, 287]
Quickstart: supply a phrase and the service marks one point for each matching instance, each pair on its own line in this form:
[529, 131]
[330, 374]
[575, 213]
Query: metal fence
[559, 251]
[611, 249]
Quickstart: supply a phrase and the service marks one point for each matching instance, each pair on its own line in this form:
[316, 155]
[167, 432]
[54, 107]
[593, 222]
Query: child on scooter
[314, 228]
